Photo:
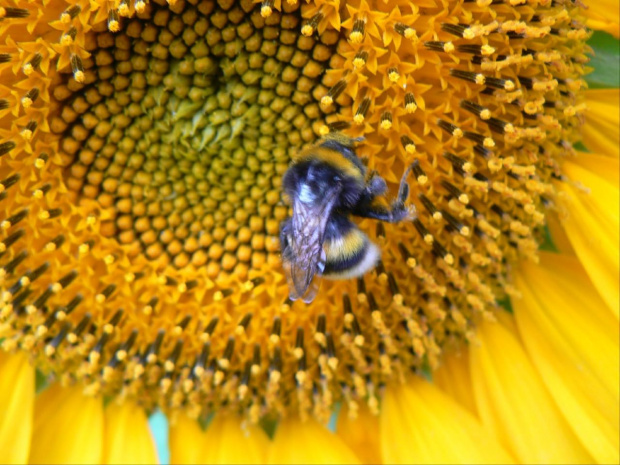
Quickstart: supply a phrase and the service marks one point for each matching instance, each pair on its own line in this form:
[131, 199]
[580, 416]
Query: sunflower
[142, 146]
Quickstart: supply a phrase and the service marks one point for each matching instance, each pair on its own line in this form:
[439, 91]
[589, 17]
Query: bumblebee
[326, 184]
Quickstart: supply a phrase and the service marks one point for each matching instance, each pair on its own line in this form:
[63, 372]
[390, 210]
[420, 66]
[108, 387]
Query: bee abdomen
[349, 255]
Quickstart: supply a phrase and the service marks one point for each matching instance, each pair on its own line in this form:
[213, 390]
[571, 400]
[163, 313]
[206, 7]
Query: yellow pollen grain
[356, 37]
[449, 48]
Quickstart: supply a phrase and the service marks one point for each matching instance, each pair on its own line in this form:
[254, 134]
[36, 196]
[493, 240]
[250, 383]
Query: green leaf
[606, 61]
[41, 381]
[546, 241]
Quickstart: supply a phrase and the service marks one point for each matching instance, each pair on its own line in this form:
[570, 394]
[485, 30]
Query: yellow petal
[307, 442]
[601, 133]
[603, 15]
[127, 435]
[592, 223]
[560, 240]
[227, 440]
[453, 377]
[514, 403]
[573, 342]
[186, 438]
[16, 405]
[68, 427]
[361, 433]
[421, 424]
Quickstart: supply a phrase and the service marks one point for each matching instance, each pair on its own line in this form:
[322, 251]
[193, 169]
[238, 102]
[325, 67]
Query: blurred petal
[361, 433]
[307, 442]
[603, 15]
[17, 389]
[127, 435]
[593, 223]
[573, 342]
[186, 438]
[421, 424]
[514, 403]
[601, 133]
[227, 440]
[558, 236]
[68, 427]
[454, 378]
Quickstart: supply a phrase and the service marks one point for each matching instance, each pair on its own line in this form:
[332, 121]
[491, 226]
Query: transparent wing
[305, 258]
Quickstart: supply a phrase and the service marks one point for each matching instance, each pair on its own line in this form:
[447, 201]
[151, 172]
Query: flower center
[188, 124]
[139, 246]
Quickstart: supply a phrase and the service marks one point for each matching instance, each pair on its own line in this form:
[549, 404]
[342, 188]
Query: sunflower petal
[186, 438]
[601, 133]
[593, 223]
[361, 433]
[603, 16]
[127, 435]
[514, 403]
[453, 377]
[227, 441]
[573, 342]
[307, 442]
[560, 240]
[421, 424]
[68, 427]
[16, 405]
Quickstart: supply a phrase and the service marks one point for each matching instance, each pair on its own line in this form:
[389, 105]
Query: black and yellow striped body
[349, 253]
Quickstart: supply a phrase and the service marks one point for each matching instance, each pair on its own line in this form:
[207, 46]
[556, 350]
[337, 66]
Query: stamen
[357, 34]
[33, 64]
[424, 233]
[455, 192]
[450, 128]
[30, 97]
[10, 240]
[362, 110]
[432, 210]
[419, 173]
[70, 13]
[410, 103]
[334, 93]
[311, 26]
[405, 31]
[386, 120]
[6, 147]
[78, 68]
[476, 78]
[407, 144]
[360, 59]
[9, 12]
[438, 46]
[113, 22]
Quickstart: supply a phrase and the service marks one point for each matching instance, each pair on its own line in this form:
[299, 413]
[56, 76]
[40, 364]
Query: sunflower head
[143, 146]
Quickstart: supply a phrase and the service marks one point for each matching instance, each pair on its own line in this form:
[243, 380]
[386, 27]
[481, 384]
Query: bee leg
[403, 189]
[398, 211]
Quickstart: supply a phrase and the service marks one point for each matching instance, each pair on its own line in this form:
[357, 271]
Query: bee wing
[308, 294]
[306, 256]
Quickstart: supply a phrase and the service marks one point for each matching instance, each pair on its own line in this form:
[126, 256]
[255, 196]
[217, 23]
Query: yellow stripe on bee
[344, 247]
[332, 158]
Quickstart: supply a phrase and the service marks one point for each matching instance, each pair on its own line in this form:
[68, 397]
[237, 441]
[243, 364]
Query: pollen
[140, 188]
